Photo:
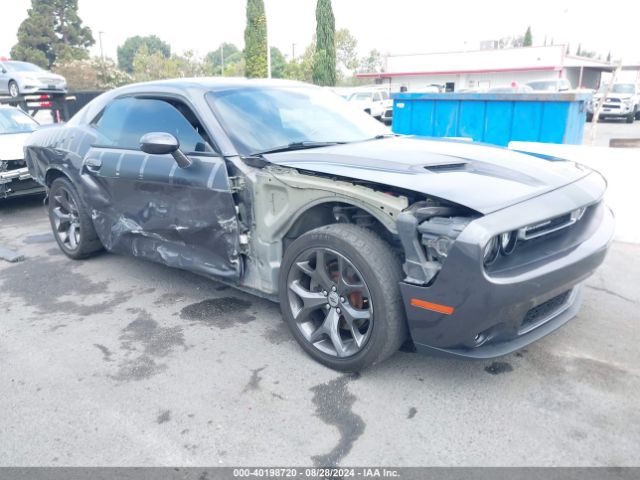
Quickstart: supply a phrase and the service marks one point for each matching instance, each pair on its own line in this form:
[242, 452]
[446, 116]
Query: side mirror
[162, 143]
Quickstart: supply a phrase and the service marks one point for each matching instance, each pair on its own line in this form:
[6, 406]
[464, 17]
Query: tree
[52, 32]
[346, 51]
[528, 38]
[93, 74]
[372, 63]
[154, 66]
[231, 54]
[324, 61]
[278, 63]
[302, 67]
[127, 51]
[255, 40]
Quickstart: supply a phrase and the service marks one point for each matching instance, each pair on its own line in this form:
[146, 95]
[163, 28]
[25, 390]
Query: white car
[373, 101]
[15, 127]
[23, 78]
[623, 100]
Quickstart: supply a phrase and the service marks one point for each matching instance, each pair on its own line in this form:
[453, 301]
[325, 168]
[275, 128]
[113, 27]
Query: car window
[13, 120]
[361, 96]
[623, 88]
[385, 95]
[23, 67]
[377, 97]
[125, 120]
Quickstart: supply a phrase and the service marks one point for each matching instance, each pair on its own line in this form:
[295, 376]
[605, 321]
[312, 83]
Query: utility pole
[104, 69]
[101, 49]
[268, 45]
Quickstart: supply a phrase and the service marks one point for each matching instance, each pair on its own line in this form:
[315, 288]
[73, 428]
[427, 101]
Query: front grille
[544, 311]
[613, 100]
[606, 105]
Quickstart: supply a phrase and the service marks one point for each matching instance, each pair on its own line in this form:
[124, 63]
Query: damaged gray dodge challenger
[368, 240]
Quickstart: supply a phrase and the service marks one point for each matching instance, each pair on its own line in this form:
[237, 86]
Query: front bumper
[18, 182]
[612, 109]
[469, 312]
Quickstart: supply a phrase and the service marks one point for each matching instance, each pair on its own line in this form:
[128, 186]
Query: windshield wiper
[297, 146]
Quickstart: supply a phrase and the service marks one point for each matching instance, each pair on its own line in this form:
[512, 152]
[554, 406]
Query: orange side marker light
[434, 307]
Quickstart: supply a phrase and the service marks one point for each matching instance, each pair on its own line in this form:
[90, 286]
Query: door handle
[93, 164]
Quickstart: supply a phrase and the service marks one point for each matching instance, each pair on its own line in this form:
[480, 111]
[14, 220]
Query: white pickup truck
[376, 102]
[623, 100]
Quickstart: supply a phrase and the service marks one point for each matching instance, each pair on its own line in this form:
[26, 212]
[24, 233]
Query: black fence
[62, 106]
[77, 100]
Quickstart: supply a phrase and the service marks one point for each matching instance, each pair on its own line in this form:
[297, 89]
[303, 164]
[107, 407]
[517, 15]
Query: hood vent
[447, 167]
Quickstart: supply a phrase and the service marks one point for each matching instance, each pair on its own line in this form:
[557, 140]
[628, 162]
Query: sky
[398, 26]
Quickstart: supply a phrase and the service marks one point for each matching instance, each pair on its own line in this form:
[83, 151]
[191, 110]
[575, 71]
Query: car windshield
[361, 96]
[23, 67]
[619, 88]
[267, 118]
[13, 120]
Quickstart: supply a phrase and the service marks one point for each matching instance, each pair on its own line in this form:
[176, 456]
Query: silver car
[22, 78]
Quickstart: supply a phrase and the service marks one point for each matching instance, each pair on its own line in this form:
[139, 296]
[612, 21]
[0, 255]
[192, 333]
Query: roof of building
[523, 59]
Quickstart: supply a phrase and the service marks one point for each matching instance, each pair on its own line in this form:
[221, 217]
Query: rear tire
[356, 292]
[71, 222]
[589, 117]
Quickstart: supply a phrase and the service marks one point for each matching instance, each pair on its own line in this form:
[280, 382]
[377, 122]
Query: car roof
[216, 83]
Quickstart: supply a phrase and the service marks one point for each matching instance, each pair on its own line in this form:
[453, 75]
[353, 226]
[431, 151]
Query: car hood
[478, 176]
[11, 146]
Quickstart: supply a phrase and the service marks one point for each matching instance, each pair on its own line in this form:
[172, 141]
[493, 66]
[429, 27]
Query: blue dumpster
[496, 118]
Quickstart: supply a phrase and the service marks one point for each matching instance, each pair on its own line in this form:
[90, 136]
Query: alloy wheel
[66, 219]
[330, 302]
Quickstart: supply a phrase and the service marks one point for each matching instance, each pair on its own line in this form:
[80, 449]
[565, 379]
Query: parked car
[367, 239]
[623, 101]
[15, 127]
[557, 85]
[22, 78]
[375, 102]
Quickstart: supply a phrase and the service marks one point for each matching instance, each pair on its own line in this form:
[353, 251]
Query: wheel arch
[54, 173]
[323, 212]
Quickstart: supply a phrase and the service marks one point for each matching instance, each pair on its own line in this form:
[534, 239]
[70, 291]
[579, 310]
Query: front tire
[70, 220]
[14, 90]
[340, 296]
[631, 117]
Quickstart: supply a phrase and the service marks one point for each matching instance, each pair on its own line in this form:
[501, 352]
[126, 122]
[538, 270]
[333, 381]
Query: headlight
[491, 251]
[508, 242]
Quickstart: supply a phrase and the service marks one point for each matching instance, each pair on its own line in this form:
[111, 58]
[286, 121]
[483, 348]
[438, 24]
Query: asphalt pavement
[117, 361]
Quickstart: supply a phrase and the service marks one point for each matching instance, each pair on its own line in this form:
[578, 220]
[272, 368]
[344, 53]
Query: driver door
[147, 206]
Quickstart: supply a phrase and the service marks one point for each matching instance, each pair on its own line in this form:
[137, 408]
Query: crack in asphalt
[334, 403]
[611, 292]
